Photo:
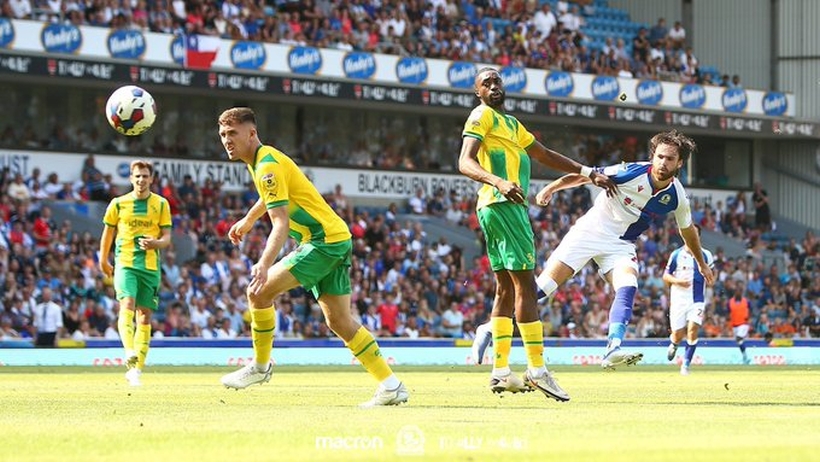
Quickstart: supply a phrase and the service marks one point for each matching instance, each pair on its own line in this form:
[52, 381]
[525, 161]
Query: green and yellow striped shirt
[279, 182]
[135, 218]
[503, 151]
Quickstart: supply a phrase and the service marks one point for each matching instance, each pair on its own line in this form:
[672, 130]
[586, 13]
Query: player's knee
[143, 316]
[504, 291]
[127, 303]
[624, 279]
[258, 300]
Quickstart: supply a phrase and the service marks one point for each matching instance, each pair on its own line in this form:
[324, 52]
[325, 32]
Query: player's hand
[544, 196]
[511, 191]
[259, 276]
[707, 273]
[602, 181]
[147, 243]
[106, 268]
[683, 283]
[239, 230]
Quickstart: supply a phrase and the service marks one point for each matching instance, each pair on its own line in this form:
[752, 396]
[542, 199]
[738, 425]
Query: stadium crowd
[404, 283]
[536, 34]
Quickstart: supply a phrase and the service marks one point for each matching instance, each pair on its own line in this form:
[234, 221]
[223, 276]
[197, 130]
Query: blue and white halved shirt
[682, 265]
[637, 204]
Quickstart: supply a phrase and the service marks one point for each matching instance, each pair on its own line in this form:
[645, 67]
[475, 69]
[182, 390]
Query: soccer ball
[131, 110]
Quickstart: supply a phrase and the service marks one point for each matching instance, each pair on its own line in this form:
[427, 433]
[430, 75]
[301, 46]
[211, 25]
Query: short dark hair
[686, 146]
[237, 115]
[141, 164]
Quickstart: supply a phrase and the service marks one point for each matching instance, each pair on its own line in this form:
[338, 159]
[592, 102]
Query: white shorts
[741, 331]
[680, 314]
[580, 246]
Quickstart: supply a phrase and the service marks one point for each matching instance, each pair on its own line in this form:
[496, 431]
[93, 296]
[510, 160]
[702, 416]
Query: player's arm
[245, 224]
[149, 243]
[565, 182]
[675, 281]
[280, 223]
[560, 162]
[107, 238]
[692, 240]
[469, 166]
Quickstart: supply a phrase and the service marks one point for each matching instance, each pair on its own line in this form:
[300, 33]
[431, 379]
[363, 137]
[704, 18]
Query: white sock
[613, 343]
[483, 329]
[546, 283]
[391, 383]
[537, 371]
[501, 372]
[262, 367]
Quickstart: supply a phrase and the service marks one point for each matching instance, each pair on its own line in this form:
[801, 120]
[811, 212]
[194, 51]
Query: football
[131, 110]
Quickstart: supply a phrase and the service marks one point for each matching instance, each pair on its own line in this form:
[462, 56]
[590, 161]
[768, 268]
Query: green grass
[643, 413]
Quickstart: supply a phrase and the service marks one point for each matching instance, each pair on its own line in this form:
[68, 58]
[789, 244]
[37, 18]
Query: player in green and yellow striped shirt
[321, 262]
[141, 223]
[496, 151]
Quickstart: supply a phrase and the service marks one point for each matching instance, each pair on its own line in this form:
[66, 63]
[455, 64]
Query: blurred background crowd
[404, 283]
[577, 36]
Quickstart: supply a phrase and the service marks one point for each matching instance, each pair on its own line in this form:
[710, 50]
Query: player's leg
[502, 379]
[572, 254]
[624, 279]
[677, 324]
[482, 340]
[694, 319]
[263, 324]
[142, 341]
[503, 227]
[326, 273]
[741, 332]
[532, 335]
[126, 287]
[362, 345]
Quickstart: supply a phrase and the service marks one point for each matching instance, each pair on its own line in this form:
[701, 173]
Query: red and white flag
[200, 51]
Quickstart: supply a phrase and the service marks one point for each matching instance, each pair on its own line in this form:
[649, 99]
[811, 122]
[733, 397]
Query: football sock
[263, 323]
[532, 334]
[125, 326]
[502, 341]
[366, 350]
[142, 341]
[619, 315]
[690, 352]
[546, 286]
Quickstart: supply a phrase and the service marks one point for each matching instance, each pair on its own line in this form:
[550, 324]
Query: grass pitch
[309, 413]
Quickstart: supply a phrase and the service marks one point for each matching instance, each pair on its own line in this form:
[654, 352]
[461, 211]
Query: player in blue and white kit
[687, 301]
[608, 231]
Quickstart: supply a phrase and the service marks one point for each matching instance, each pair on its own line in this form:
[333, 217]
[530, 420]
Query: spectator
[18, 189]
[658, 33]
[48, 320]
[760, 198]
[676, 38]
[452, 321]
[418, 203]
[544, 20]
